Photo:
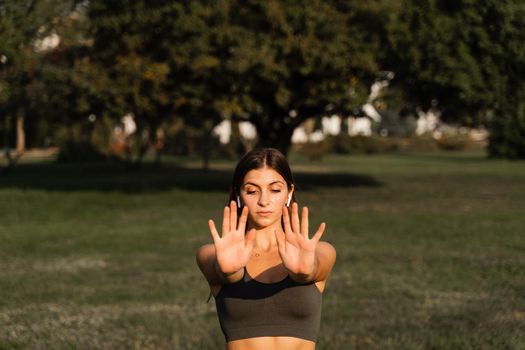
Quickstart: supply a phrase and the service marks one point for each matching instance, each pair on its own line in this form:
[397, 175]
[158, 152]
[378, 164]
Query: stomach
[271, 343]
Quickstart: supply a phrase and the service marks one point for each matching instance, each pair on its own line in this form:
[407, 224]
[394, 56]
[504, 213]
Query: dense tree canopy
[291, 62]
[24, 25]
[468, 58]
[273, 63]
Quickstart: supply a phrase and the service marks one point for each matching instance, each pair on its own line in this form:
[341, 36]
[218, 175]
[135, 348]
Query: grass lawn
[431, 253]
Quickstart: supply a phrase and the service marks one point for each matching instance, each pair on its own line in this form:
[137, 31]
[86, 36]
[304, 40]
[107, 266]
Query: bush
[454, 142]
[420, 143]
[315, 150]
[360, 144]
[507, 133]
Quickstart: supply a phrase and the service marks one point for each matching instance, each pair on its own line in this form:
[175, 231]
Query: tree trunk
[206, 149]
[20, 133]
[144, 138]
[13, 157]
[277, 138]
[158, 145]
[144, 144]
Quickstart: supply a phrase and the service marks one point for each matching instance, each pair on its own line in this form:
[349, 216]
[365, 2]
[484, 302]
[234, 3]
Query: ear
[290, 194]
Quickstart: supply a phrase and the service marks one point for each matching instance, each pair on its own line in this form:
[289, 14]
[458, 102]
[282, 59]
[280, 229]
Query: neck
[265, 237]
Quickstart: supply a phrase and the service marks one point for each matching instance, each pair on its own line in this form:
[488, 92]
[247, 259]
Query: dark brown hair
[256, 159]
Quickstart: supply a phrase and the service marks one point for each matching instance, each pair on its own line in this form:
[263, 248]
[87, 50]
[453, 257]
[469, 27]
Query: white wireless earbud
[238, 202]
[289, 199]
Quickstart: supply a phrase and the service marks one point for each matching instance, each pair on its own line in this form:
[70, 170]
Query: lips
[264, 213]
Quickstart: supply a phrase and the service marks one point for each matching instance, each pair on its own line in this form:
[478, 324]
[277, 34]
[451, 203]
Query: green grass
[431, 253]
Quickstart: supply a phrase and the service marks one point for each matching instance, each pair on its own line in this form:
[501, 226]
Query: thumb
[281, 240]
[249, 239]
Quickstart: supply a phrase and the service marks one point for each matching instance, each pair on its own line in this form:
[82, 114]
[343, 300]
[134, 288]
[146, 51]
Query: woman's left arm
[325, 256]
[307, 259]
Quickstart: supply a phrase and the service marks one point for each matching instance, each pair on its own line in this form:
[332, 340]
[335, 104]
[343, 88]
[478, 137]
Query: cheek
[279, 198]
[249, 201]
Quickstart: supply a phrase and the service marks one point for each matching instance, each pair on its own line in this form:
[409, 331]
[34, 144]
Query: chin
[263, 222]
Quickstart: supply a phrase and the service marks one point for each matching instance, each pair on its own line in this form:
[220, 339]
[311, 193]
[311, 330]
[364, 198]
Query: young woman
[267, 275]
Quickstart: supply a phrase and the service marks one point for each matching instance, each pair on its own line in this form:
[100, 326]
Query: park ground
[431, 252]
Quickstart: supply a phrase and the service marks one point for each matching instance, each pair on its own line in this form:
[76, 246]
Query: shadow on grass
[150, 178]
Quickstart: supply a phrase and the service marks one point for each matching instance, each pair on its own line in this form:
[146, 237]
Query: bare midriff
[271, 343]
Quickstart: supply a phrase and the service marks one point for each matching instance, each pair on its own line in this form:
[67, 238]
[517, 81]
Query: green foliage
[314, 150]
[419, 143]
[454, 142]
[435, 58]
[189, 140]
[292, 56]
[507, 137]
[274, 63]
[250, 60]
[375, 144]
[23, 26]
[346, 144]
[465, 57]
[359, 144]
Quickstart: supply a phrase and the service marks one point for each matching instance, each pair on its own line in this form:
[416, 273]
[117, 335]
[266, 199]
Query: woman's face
[265, 193]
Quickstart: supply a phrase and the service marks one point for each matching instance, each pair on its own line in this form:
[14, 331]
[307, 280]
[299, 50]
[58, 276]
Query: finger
[213, 231]
[296, 228]
[304, 222]
[319, 232]
[250, 239]
[281, 240]
[233, 216]
[226, 221]
[242, 220]
[286, 221]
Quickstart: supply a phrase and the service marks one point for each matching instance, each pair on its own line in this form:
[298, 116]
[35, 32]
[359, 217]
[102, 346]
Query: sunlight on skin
[264, 194]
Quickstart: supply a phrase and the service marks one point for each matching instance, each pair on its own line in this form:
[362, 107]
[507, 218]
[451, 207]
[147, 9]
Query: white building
[224, 131]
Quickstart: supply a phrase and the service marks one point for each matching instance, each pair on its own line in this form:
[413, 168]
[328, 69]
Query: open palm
[297, 251]
[234, 248]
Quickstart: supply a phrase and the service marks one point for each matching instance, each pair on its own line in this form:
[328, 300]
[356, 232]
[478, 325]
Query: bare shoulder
[205, 257]
[326, 256]
[205, 251]
[326, 249]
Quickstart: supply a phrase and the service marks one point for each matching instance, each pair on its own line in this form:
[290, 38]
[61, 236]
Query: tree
[125, 70]
[505, 21]
[171, 72]
[467, 58]
[290, 61]
[23, 26]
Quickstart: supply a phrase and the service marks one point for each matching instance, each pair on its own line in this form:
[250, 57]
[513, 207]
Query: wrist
[307, 275]
[226, 277]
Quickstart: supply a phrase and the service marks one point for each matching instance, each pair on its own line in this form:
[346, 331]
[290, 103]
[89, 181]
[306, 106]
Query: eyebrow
[270, 184]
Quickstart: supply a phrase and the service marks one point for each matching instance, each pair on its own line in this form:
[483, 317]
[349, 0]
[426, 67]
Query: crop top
[249, 308]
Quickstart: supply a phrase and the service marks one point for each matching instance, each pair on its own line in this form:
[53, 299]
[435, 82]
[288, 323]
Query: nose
[264, 199]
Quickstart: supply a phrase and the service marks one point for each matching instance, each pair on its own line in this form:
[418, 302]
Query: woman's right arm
[207, 263]
[224, 260]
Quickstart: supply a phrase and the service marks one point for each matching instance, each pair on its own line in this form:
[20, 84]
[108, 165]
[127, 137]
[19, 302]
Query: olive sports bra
[249, 308]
